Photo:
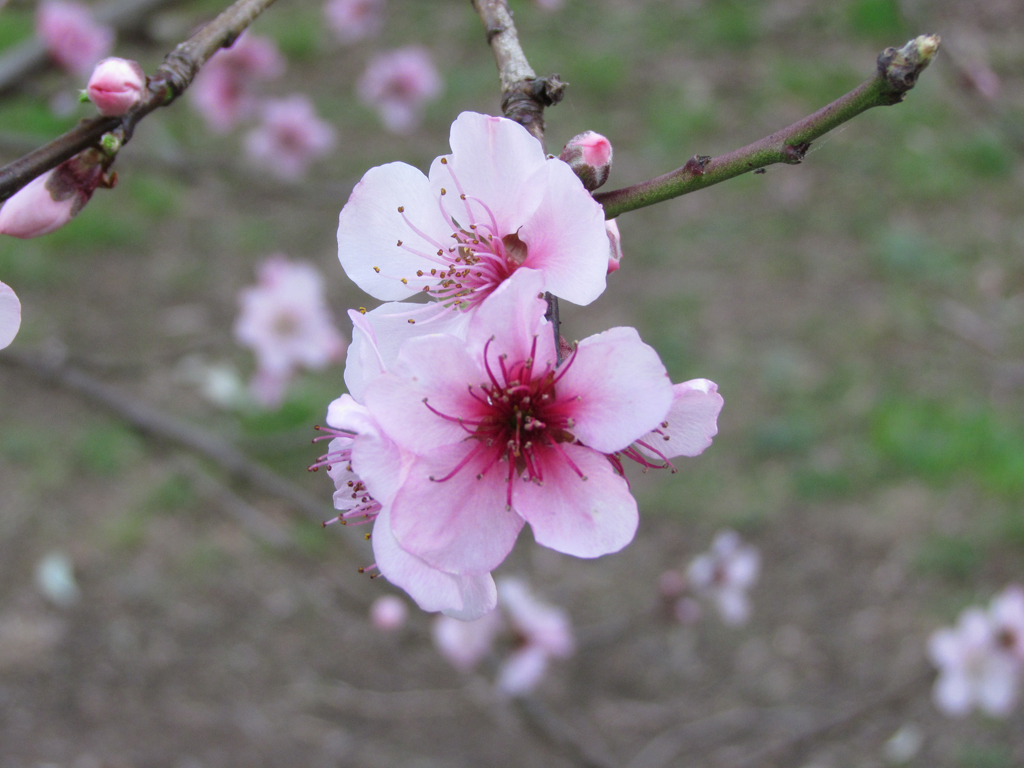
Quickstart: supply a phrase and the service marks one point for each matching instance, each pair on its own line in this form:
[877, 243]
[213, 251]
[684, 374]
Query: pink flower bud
[50, 201]
[10, 315]
[615, 243]
[116, 86]
[590, 156]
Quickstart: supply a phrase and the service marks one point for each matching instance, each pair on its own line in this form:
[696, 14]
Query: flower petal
[460, 524]
[461, 597]
[10, 315]
[370, 226]
[691, 422]
[621, 388]
[513, 316]
[582, 517]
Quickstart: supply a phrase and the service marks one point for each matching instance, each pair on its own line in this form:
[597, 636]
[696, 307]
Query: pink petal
[566, 236]
[997, 686]
[465, 643]
[460, 525]
[513, 315]
[522, 671]
[953, 694]
[691, 422]
[461, 597]
[370, 226]
[621, 389]
[585, 518]
[10, 315]
[435, 368]
[493, 158]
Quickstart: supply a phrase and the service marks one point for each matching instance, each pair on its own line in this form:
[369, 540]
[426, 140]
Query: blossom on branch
[398, 84]
[50, 201]
[116, 86]
[284, 319]
[10, 315]
[542, 631]
[290, 137]
[73, 38]
[494, 205]
[222, 91]
[354, 20]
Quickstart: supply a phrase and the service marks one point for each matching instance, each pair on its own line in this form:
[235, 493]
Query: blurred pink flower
[543, 632]
[290, 138]
[354, 20]
[284, 319]
[725, 574]
[1006, 613]
[504, 203]
[974, 668]
[50, 201]
[10, 315]
[465, 643]
[71, 35]
[388, 613]
[527, 445]
[115, 86]
[222, 91]
[398, 84]
[549, 5]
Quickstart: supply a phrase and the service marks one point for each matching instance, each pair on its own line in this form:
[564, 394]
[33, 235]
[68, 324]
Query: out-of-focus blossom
[979, 77]
[285, 321]
[219, 382]
[10, 315]
[615, 246]
[55, 578]
[494, 205]
[1006, 614]
[398, 84]
[590, 156]
[724, 575]
[975, 669]
[291, 137]
[116, 86]
[388, 613]
[354, 20]
[71, 35]
[543, 632]
[549, 5]
[465, 643]
[50, 201]
[223, 90]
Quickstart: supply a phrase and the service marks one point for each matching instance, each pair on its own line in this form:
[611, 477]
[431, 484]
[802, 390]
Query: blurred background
[862, 314]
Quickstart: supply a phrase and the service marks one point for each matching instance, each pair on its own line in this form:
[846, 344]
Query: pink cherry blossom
[291, 137]
[725, 574]
[494, 205]
[71, 35]
[223, 90]
[285, 320]
[10, 315]
[543, 632]
[354, 20]
[388, 613]
[116, 86]
[465, 643]
[500, 434]
[367, 469]
[975, 670]
[398, 84]
[50, 201]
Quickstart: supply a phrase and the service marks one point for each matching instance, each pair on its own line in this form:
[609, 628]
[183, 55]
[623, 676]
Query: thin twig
[152, 421]
[169, 81]
[30, 56]
[543, 721]
[895, 75]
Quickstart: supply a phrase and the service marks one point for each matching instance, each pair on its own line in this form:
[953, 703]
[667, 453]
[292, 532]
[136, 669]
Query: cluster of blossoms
[284, 319]
[981, 659]
[722, 576]
[536, 631]
[466, 418]
[290, 135]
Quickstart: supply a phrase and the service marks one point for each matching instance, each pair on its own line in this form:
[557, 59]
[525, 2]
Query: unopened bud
[615, 243]
[590, 156]
[116, 86]
[50, 201]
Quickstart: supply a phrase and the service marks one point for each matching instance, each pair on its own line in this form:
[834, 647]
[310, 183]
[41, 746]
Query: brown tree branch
[169, 81]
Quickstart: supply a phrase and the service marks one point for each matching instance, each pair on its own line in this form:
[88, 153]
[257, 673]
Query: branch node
[795, 153]
[548, 90]
[695, 165]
